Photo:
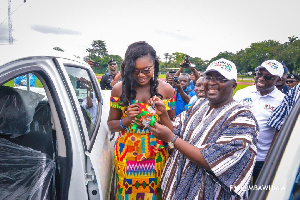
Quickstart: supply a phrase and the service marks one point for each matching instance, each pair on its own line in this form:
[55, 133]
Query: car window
[86, 96]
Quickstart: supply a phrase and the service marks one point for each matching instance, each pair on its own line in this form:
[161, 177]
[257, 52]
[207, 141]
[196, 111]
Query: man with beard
[262, 99]
[106, 80]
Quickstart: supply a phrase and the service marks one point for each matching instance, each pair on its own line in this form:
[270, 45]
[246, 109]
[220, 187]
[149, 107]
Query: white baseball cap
[272, 66]
[225, 67]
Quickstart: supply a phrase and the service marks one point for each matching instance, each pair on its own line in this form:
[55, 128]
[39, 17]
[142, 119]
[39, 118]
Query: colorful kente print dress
[139, 158]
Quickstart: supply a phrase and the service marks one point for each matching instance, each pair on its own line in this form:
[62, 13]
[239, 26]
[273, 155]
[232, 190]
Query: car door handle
[112, 136]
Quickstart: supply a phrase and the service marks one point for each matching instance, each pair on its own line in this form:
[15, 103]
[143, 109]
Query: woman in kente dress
[139, 157]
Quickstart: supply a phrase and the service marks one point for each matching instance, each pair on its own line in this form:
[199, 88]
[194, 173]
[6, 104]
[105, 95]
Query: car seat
[27, 162]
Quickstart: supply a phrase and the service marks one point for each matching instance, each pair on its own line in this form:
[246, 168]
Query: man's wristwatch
[171, 144]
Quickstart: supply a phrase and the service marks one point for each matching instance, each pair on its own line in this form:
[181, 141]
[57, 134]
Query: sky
[199, 28]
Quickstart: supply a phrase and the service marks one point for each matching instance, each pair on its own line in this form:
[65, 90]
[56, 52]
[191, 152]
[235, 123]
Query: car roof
[10, 53]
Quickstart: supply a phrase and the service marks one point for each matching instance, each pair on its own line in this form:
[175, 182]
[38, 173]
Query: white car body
[88, 153]
[280, 175]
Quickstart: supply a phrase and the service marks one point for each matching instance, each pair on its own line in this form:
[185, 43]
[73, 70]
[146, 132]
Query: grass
[39, 84]
[247, 81]
[238, 87]
[11, 83]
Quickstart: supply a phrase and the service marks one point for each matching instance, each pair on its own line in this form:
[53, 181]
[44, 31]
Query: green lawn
[12, 84]
[238, 87]
[247, 81]
[39, 84]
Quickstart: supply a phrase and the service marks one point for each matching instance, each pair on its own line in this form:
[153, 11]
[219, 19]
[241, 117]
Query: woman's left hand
[162, 132]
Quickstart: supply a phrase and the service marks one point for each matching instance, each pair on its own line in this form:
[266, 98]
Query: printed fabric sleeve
[115, 102]
[232, 157]
[170, 103]
[177, 123]
[280, 114]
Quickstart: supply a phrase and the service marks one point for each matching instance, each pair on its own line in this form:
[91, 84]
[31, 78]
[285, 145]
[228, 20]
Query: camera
[96, 64]
[186, 61]
[175, 79]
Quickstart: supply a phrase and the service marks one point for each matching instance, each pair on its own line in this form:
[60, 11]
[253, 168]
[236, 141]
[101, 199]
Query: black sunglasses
[144, 71]
[218, 79]
[291, 81]
[112, 64]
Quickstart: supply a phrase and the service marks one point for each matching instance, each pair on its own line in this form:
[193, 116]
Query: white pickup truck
[54, 138]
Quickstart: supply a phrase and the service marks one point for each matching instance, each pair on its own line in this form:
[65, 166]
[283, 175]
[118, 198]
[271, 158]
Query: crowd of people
[189, 137]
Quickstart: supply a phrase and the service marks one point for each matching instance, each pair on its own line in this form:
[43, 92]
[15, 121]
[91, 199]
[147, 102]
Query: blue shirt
[22, 80]
[179, 103]
[191, 85]
[281, 113]
[285, 89]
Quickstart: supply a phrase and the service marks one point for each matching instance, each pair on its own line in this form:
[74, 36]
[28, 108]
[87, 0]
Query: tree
[292, 39]
[289, 53]
[98, 49]
[252, 57]
[201, 65]
[99, 55]
[227, 55]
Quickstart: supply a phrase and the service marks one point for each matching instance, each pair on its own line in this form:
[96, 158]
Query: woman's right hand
[133, 111]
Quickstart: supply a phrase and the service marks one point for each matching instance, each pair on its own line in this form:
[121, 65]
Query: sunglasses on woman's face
[144, 71]
[112, 64]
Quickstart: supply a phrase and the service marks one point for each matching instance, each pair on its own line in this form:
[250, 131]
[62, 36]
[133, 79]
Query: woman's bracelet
[122, 124]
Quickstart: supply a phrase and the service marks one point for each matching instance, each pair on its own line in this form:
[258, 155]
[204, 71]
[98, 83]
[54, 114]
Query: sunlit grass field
[238, 87]
[39, 84]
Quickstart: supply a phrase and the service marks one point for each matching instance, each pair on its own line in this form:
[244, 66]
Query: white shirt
[262, 108]
[193, 99]
[92, 110]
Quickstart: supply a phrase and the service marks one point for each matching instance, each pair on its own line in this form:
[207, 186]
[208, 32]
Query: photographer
[106, 80]
[183, 92]
[186, 63]
[169, 77]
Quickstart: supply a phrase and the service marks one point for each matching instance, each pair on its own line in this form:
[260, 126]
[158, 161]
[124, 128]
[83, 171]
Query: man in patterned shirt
[215, 143]
[281, 113]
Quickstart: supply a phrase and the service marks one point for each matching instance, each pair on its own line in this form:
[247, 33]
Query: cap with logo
[112, 60]
[225, 67]
[272, 66]
[293, 76]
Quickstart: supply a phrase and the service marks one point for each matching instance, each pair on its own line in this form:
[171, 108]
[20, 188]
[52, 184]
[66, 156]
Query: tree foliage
[98, 49]
[99, 54]
[249, 58]
[246, 59]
